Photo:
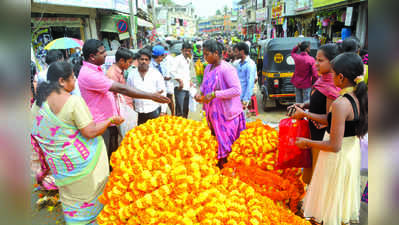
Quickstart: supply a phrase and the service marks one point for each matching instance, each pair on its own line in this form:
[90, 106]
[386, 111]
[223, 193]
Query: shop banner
[56, 22]
[348, 19]
[302, 5]
[321, 3]
[261, 14]
[124, 36]
[119, 5]
[103, 4]
[123, 6]
[277, 10]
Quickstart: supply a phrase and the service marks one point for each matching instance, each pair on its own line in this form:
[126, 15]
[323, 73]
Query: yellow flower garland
[165, 172]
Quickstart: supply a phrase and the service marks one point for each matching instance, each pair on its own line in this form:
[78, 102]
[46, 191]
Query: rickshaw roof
[281, 44]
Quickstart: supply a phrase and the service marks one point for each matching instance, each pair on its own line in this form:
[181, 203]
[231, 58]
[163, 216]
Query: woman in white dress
[333, 196]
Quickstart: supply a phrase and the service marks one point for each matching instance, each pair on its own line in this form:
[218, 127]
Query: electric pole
[133, 22]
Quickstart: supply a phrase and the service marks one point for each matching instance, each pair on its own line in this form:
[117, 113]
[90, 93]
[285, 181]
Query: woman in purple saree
[220, 94]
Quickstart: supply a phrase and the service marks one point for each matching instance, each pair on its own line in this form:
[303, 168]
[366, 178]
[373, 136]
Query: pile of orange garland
[165, 172]
[253, 159]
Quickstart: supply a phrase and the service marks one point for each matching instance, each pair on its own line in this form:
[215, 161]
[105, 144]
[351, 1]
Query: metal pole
[167, 21]
[133, 22]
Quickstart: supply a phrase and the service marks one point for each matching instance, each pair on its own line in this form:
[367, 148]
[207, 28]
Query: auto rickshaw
[278, 69]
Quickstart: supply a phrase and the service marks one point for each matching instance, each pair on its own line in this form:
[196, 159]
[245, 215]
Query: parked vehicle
[278, 69]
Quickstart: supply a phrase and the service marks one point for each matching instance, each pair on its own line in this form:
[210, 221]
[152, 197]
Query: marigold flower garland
[253, 161]
[165, 172]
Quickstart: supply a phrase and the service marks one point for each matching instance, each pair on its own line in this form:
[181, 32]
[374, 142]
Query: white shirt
[42, 76]
[115, 44]
[152, 82]
[181, 69]
[249, 44]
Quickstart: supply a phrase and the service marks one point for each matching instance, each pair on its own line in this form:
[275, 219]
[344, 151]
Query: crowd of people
[79, 111]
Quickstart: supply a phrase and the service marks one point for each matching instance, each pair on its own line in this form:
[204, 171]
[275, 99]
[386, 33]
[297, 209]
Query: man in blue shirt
[246, 69]
[158, 55]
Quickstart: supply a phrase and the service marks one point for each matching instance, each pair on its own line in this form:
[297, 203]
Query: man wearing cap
[158, 62]
[149, 79]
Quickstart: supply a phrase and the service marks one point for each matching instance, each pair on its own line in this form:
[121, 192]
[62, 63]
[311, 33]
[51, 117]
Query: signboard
[321, 3]
[56, 22]
[302, 5]
[261, 14]
[119, 5]
[277, 10]
[103, 4]
[124, 36]
[348, 19]
[123, 6]
[122, 26]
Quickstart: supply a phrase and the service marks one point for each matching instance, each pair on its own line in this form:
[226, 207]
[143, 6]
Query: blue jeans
[302, 94]
[182, 98]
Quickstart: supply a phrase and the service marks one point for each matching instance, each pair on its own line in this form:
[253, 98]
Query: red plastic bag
[289, 155]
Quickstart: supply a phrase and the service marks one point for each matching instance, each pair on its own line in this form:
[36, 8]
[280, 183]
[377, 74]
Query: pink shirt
[94, 87]
[116, 74]
[305, 69]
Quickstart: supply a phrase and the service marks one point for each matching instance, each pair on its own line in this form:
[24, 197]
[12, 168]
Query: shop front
[50, 27]
[303, 22]
[337, 20]
[144, 32]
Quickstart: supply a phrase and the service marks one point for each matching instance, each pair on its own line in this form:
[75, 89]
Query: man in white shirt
[159, 62]
[182, 70]
[147, 79]
[115, 44]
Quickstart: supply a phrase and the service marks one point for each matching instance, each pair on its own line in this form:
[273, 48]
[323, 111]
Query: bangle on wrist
[307, 114]
[213, 94]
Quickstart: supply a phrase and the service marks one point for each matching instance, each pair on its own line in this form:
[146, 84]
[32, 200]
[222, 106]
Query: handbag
[289, 155]
[128, 114]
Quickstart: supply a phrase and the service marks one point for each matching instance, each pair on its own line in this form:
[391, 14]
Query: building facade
[176, 20]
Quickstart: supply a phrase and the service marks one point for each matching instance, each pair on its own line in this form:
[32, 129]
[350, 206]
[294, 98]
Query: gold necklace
[346, 90]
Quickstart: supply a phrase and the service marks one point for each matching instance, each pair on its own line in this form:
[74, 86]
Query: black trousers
[182, 98]
[143, 117]
[111, 136]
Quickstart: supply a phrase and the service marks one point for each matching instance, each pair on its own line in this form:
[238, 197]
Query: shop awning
[143, 23]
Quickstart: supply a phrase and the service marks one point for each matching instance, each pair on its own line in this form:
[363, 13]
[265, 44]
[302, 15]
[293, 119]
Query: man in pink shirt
[97, 90]
[305, 72]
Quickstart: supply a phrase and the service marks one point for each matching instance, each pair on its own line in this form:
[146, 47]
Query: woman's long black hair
[214, 46]
[351, 66]
[55, 71]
